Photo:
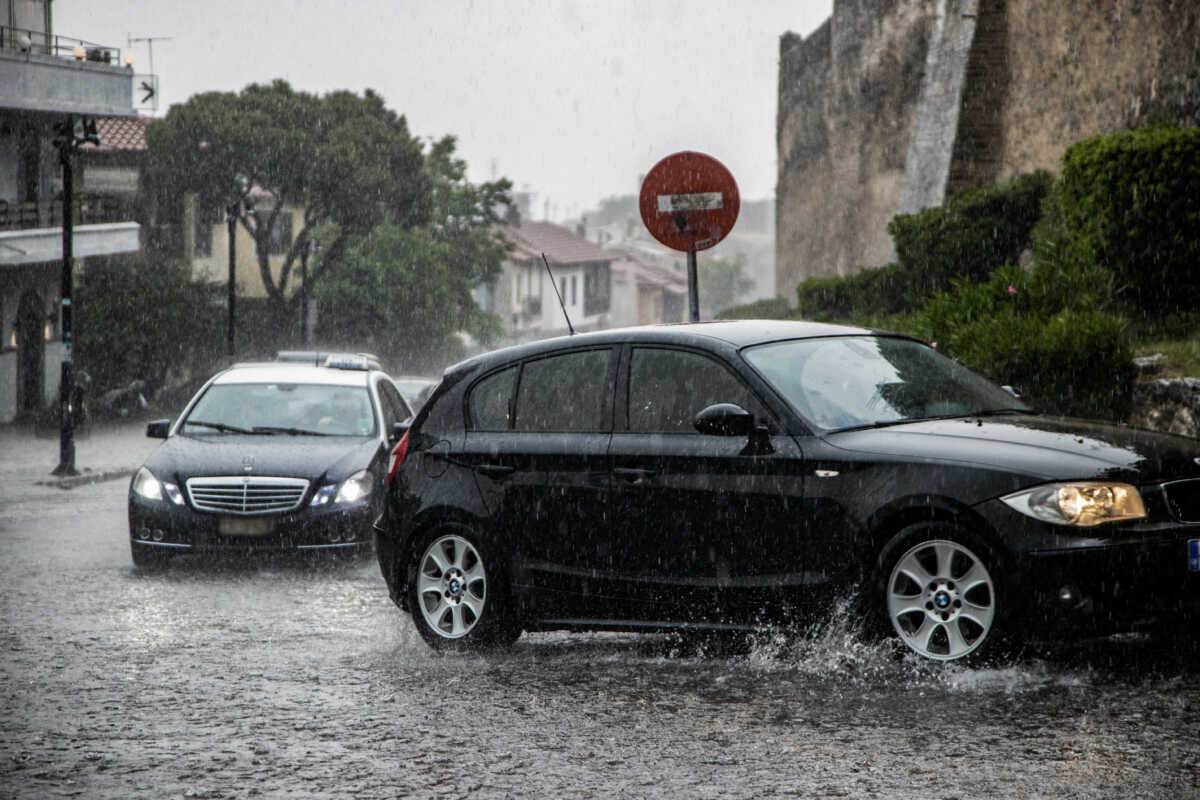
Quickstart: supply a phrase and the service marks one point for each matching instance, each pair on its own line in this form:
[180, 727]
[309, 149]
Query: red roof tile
[121, 134]
[560, 245]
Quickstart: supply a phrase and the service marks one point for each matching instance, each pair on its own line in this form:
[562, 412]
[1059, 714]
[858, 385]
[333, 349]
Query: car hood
[1048, 448]
[311, 457]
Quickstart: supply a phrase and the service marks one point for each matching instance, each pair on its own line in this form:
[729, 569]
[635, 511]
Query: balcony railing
[27, 41]
[86, 210]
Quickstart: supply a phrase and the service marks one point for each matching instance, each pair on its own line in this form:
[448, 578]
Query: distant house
[523, 296]
[647, 290]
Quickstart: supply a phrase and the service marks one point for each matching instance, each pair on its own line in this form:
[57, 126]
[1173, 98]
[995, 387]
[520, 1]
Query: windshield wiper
[1000, 412]
[292, 431]
[218, 426]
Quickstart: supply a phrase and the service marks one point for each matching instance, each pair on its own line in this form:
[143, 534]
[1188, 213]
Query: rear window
[559, 393]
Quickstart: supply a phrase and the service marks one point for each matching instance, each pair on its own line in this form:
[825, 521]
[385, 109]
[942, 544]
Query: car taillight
[398, 454]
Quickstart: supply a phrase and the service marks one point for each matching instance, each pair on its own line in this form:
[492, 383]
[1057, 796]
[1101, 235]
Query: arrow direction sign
[145, 92]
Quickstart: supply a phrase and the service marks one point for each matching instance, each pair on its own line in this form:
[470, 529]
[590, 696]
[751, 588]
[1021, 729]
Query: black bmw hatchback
[731, 475]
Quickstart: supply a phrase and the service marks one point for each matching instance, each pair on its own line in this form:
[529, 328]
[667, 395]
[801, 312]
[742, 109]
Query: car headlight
[1083, 503]
[355, 488]
[151, 488]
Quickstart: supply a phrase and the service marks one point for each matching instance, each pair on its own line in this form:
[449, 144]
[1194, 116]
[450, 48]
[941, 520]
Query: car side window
[490, 403]
[568, 392]
[667, 388]
[394, 408]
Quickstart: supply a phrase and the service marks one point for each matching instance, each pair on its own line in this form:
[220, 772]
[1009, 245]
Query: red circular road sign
[689, 201]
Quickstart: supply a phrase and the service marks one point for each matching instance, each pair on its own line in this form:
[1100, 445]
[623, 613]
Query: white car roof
[286, 372]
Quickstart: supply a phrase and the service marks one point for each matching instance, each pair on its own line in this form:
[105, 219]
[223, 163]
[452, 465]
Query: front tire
[940, 590]
[458, 595]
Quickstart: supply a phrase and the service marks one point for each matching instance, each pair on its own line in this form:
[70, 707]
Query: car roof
[291, 372]
[735, 333]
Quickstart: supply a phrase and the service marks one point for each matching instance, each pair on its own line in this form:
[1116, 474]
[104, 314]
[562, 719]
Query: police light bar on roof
[321, 358]
[347, 361]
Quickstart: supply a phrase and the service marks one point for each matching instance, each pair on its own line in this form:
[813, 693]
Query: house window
[279, 237]
[597, 288]
[572, 290]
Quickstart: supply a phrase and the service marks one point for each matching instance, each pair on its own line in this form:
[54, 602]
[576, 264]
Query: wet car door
[539, 445]
[700, 521]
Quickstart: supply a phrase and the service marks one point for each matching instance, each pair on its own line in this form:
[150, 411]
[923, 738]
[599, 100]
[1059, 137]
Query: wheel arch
[888, 522]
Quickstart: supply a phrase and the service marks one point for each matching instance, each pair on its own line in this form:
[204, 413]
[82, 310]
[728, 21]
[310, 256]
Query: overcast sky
[574, 101]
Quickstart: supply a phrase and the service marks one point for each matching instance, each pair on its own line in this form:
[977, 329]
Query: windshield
[858, 381]
[282, 408]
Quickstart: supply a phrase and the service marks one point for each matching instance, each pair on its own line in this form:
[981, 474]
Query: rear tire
[459, 594]
[939, 589]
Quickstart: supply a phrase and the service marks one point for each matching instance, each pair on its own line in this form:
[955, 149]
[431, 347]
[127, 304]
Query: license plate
[244, 526]
[1194, 555]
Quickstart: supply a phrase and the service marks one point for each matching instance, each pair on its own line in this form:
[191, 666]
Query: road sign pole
[693, 289]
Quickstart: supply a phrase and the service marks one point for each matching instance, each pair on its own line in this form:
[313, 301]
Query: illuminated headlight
[356, 487]
[147, 486]
[351, 490]
[1084, 504]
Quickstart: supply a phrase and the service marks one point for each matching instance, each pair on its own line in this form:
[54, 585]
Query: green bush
[879, 290]
[972, 234]
[1131, 202]
[1037, 332]
[770, 308]
[975, 232]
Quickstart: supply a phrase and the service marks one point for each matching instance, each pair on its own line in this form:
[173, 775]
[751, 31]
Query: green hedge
[1131, 202]
[975, 232]
[1035, 332]
[771, 308]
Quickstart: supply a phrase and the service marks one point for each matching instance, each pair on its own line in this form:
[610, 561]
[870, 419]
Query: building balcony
[31, 233]
[59, 74]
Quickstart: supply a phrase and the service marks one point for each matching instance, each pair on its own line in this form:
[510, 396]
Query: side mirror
[398, 430]
[158, 429]
[724, 419]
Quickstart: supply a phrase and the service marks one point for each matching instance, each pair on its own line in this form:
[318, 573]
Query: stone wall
[894, 103]
[846, 101]
[1168, 404]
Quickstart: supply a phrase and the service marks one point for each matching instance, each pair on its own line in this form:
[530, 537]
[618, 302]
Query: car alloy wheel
[451, 587]
[941, 599]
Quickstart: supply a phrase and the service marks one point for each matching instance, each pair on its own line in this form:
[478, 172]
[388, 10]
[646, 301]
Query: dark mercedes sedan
[269, 457]
[732, 475]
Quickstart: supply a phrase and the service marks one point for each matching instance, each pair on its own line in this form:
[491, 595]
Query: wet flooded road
[280, 680]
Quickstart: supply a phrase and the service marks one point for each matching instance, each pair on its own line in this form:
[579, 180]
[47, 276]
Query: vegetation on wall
[1113, 237]
[975, 232]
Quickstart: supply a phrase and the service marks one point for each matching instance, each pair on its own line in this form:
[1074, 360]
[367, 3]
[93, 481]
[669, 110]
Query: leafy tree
[723, 282]
[346, 160]
[407, 292]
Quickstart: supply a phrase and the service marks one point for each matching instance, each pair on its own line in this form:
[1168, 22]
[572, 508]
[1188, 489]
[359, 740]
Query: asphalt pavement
[104, 451]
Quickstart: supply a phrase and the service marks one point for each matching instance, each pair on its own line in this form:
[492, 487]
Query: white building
[48, 83]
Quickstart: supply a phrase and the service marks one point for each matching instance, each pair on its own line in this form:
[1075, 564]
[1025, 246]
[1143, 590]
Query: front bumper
[173, 528]
[1104, 579]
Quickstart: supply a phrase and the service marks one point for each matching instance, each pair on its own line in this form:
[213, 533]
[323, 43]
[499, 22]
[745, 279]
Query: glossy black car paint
[623, 531]
[161, 529]
[319, 460]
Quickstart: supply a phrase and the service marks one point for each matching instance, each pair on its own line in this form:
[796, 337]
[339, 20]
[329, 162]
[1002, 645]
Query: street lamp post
[71, 134]
[232, 212]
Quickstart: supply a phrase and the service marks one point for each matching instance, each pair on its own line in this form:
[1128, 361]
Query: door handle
[495, 470]
[632, 474]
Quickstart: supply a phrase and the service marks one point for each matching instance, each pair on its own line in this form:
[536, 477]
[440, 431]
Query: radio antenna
[561, 304]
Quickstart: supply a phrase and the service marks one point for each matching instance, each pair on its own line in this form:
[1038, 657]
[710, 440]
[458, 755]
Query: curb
[86, 477]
